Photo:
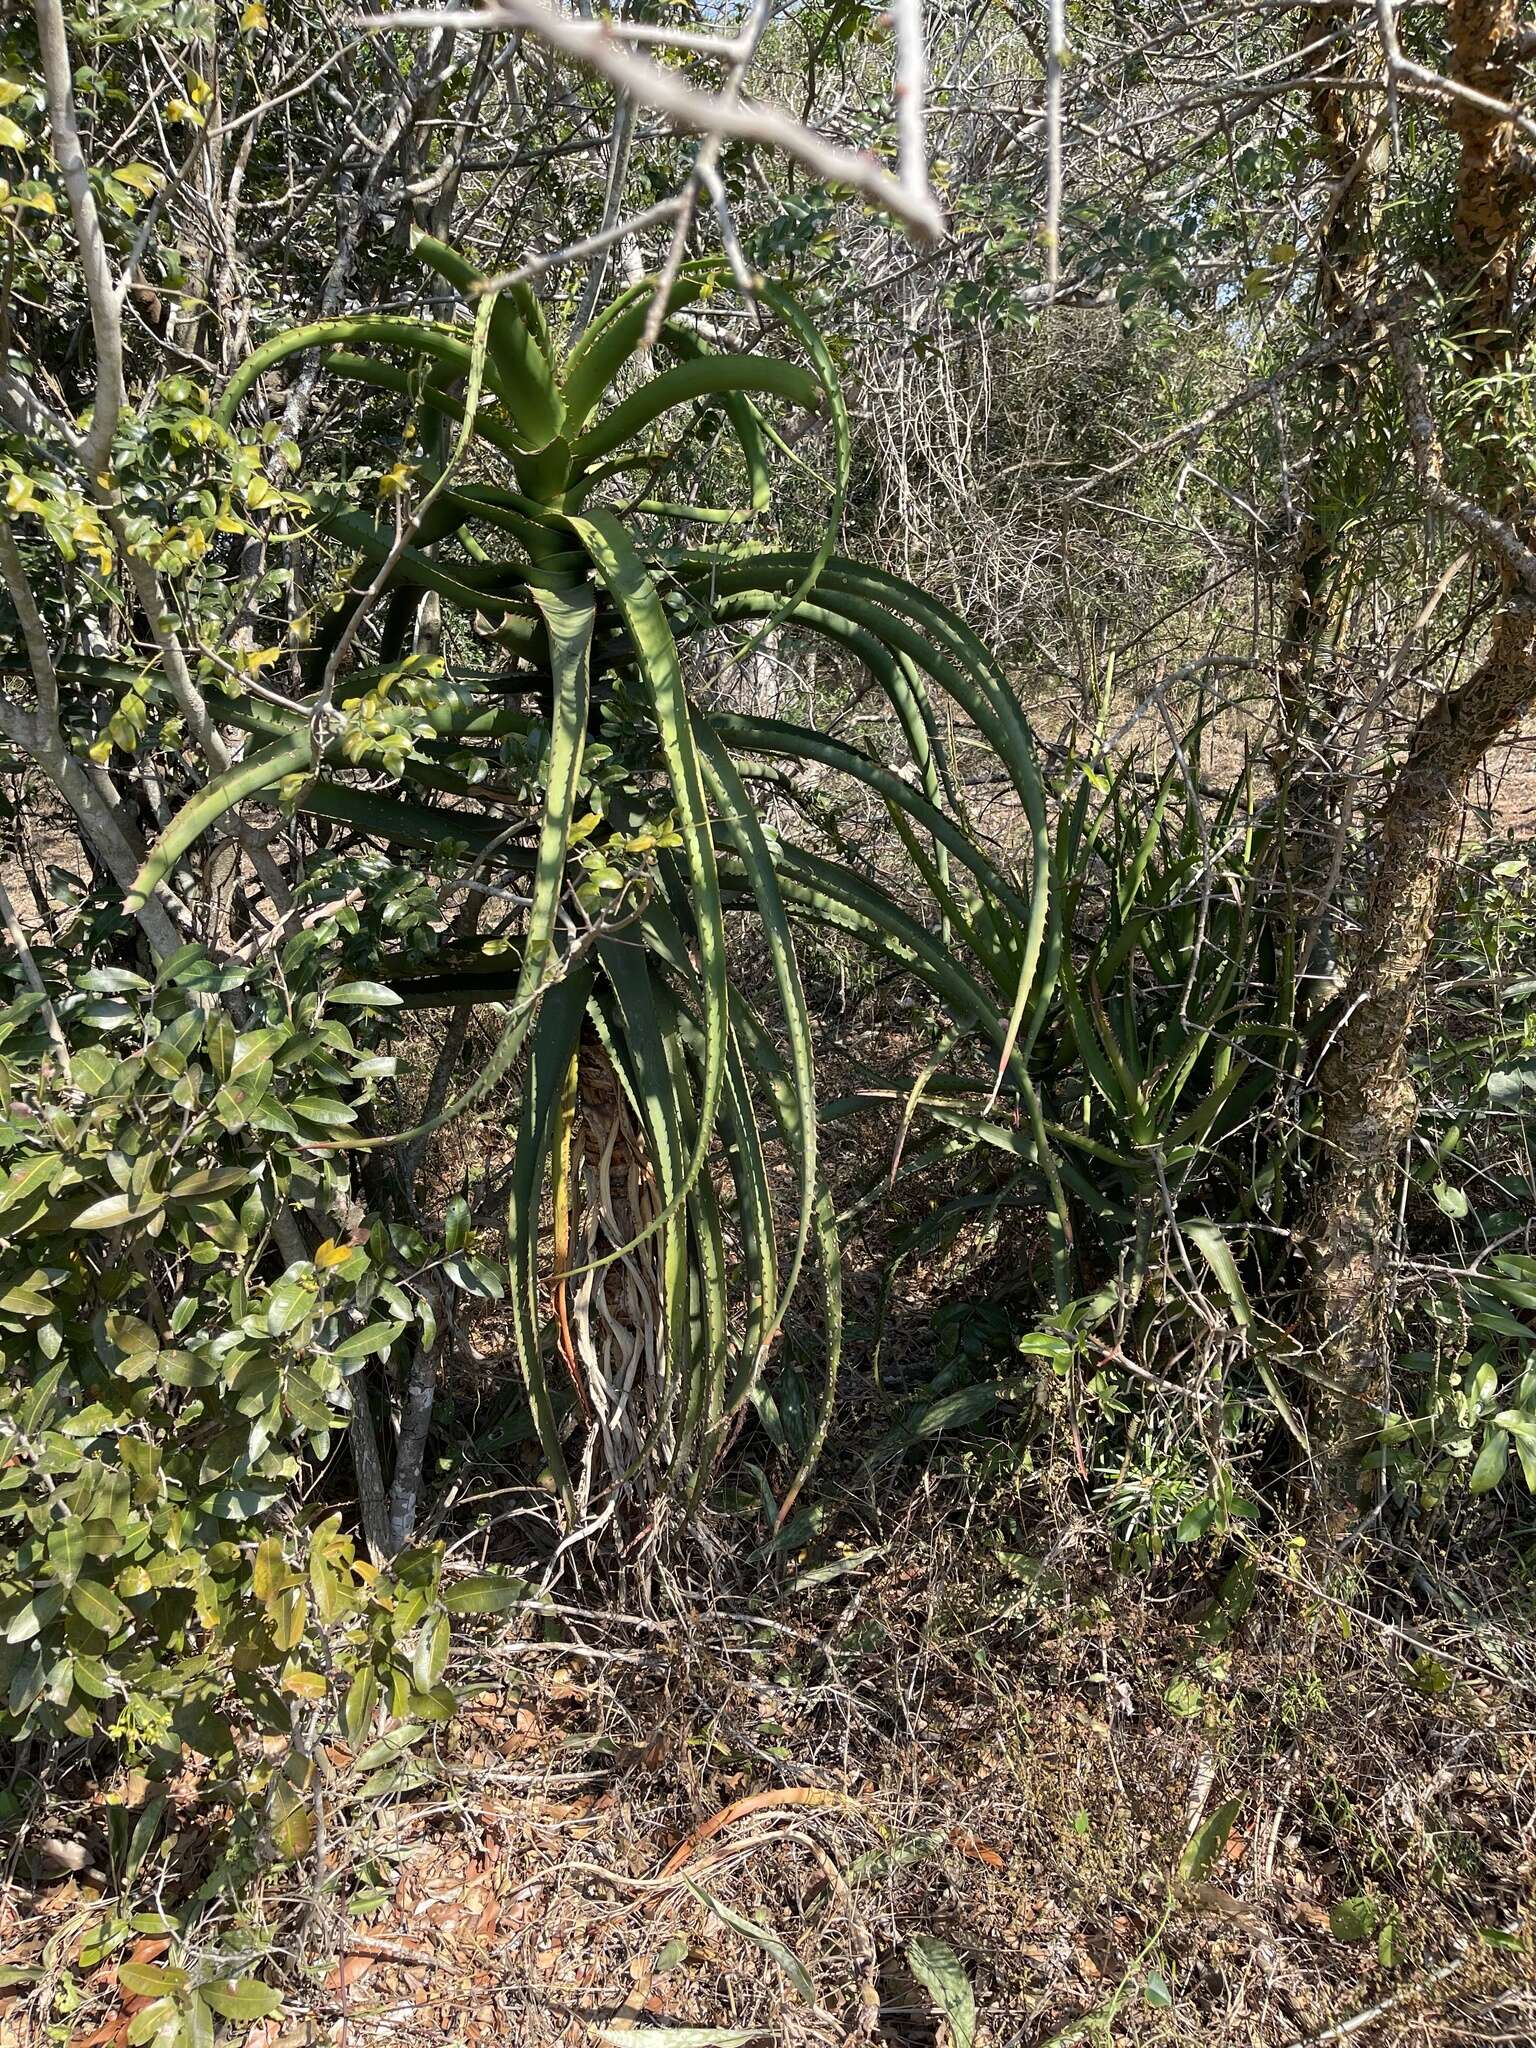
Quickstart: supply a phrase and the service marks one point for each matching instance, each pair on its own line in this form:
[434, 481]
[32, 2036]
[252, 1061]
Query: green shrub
[173, 1379]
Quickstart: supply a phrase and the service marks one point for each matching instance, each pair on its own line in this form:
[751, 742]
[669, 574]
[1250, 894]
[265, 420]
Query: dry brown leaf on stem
[786, 1795]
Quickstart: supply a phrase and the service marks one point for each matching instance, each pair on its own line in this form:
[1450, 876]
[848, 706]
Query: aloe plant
[1167, 1049]
[591, 606]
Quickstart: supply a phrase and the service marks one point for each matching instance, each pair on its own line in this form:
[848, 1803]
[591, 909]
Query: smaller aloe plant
[1163, 1055]
[619, 1006]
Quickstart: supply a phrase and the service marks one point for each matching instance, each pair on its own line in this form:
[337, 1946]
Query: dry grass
[1007, 1754]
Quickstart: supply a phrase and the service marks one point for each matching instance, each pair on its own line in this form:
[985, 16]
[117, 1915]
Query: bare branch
[704, 174]
[1387, 27]
[95, 265]
[39, 734]
[589, 245]
[173, 660]
[1055, 64]
[29, 974]
[33, 632]
[619, 145]
[1327, 350]
[911, 116]
[597, 45]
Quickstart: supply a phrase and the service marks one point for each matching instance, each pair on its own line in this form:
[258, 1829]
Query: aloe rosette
[592, 601]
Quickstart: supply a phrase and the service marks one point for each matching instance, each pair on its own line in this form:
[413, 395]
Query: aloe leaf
[754, 1219]
[447, 345]
[257, 772]
[812, 341]
[779, 737]
[568, 616]
[642, 1046]
[746, 425]
[766, 1062]
[613, 337]
[377, 543]
[497, 433]
[705, 376]
[554, 1040]
[630, 586]
[525, 375]
[739, 823]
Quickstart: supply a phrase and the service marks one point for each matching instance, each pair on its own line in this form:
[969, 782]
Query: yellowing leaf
[269, 1572]
[12, 134]
[292, 1821]
[287, 1616]
[10, 91]
[253, 22]
[250, 659]
[140, 178]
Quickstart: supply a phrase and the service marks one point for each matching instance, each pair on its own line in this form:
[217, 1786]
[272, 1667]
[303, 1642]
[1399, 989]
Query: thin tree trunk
[1310, 690]
[1369, 1102]
[411, 1447]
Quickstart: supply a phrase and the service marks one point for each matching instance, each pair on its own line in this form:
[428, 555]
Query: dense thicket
[550, 790]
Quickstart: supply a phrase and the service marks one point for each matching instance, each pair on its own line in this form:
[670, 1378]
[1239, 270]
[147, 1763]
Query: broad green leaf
[292, 1820]
[431, 1655]
[34, 1615]
[1354, 1919]
[365, 995]
[98, 1605]
[111, 1212]
[362, 1699]
[241, 1999]
[488, 1593]
[1208, 1842]
[390, 1746]
[1492, 1462]
[158, 2020]
[369, 1342]
[151, 1980]
[292, 1298]
[960, 1410]
[942, 1975]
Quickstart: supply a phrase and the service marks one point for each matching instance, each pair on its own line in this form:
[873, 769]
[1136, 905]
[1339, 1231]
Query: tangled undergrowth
[914, 1782]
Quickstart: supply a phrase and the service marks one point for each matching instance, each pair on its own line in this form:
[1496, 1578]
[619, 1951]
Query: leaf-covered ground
[1091, 1807]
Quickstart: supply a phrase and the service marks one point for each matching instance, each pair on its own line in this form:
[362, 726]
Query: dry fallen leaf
[980, 1852]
